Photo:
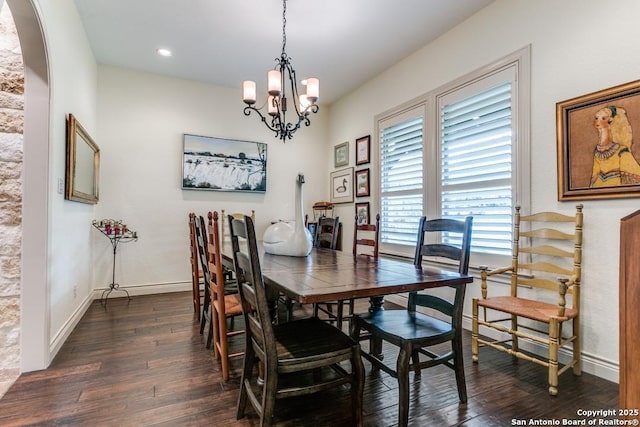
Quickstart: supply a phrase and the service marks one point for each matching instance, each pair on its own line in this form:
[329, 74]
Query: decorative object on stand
[210, 163]
[341, 154]
[341, 186]
[276, 102]
[282, 238]
[83, 164]
[117, 232]
[363, 148]
[596, 155]
[362, 183]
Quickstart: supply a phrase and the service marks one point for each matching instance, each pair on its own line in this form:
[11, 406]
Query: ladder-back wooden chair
[545, 277]
[197, 283]
[201, 243]
[224, 305]
[226, 235]
[327, 232]
[365, 244]
[415, 333]
[307, 352]
[327, 237]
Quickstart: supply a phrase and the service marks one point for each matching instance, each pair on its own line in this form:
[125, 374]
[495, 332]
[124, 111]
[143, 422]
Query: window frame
[520, 61]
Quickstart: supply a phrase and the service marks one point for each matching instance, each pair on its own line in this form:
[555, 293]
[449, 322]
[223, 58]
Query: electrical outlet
[75, 291]
[60, 186]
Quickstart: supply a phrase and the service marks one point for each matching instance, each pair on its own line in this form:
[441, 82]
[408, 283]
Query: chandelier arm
[249, 109]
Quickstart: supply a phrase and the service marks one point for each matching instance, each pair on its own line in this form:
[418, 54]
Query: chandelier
[276, 103]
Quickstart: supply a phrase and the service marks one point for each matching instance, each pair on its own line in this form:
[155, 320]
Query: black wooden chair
[298, 357]
[412, 331]
[197, 283]
[327, 233]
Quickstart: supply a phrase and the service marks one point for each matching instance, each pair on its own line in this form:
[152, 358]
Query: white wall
[142, 118]
[73, 77]
[577, 48]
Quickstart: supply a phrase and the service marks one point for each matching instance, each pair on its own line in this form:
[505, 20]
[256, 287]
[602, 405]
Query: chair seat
[534, 310]
[232, 306]
[310, 340]
[402, 325]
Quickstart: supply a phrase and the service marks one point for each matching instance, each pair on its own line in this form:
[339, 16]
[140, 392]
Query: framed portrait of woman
[597, 157]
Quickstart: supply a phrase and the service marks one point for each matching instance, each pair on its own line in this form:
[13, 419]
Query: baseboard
[56, 343]
[591, 364]
[146, 289]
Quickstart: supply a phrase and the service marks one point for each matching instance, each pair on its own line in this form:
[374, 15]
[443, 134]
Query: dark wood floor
[143, 363]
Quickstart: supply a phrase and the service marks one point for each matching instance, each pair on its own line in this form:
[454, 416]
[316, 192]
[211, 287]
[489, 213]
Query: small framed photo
[341, 184]
[362, 212]
[341, 154]
[362, 183]
[596, 157]
[363, 149]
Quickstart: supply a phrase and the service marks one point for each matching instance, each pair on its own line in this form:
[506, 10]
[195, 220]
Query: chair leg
[474, 331]
[224, 352]
[209, 324]
[357, 386]
[514, 337]
[245, 382]
[205, 307]
[402, 368]
[458, 367]
[577, 356]
[268, 398]
[415, 359]
[216, 331]
[339, 313]
[553, 356]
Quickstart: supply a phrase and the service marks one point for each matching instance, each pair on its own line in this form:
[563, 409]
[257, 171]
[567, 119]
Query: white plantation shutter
[460, 150]
[401, 177]
[476, 138]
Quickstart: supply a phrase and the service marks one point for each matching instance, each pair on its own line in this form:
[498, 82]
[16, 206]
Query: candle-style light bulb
[249, 91]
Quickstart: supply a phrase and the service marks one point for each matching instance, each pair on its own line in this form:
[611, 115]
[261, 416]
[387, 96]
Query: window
[467, 143]
[476, 139]
[401, 177]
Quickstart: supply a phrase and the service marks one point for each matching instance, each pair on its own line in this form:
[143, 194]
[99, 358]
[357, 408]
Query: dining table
[327, 275]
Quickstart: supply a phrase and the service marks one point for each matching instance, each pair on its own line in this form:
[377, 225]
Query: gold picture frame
[82, 164]
[596, 155]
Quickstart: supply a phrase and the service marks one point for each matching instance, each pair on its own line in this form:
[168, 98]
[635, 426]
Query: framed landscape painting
[210, 163]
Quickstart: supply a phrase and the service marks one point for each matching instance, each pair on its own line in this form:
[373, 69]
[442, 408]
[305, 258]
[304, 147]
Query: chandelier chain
[284, 25]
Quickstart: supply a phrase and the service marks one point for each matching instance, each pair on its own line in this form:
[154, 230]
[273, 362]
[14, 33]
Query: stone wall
[11, 130]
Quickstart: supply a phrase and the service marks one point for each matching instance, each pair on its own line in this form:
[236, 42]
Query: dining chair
[327, 232]
[197, 283]
[206, 318]
[224, 305]
[326, 236]
[415, 333]
[226, 236]
[201, 243]
[545, 276]
[299, 357]
[365, 244]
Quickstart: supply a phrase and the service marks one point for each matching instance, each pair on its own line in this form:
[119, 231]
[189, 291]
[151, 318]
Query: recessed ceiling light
[163, 52]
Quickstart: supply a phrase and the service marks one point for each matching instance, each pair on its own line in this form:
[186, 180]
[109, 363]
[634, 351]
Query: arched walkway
[34, 306]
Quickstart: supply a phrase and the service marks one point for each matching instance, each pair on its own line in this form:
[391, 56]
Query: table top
[328, 275]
